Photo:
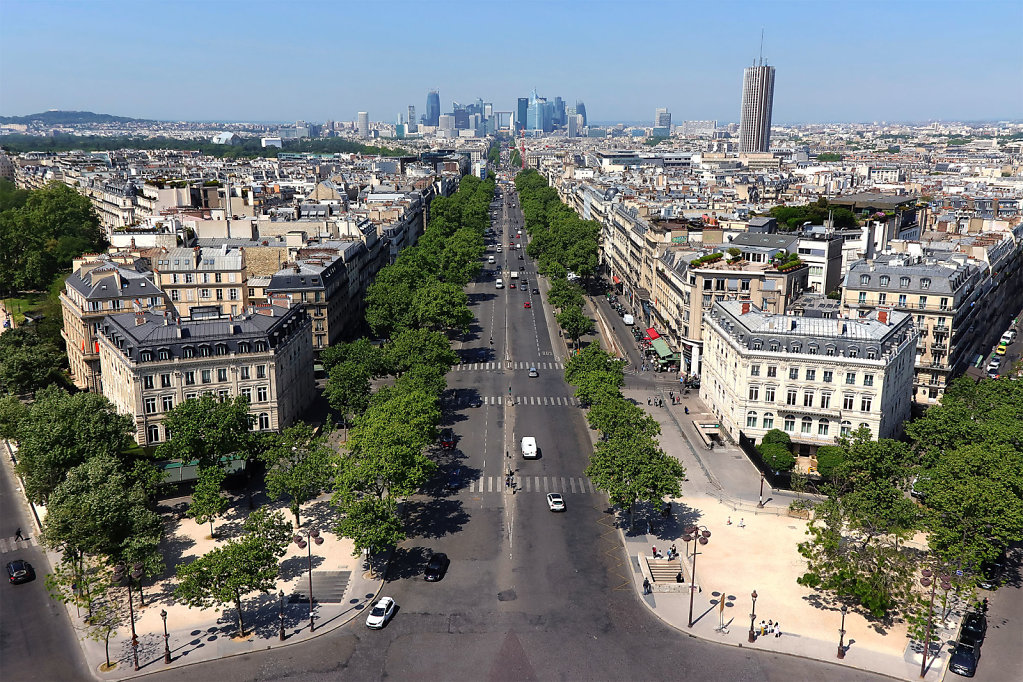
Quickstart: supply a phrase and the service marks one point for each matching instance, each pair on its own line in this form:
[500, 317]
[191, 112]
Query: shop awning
[614, 278]
[651, 333]
[661, 348]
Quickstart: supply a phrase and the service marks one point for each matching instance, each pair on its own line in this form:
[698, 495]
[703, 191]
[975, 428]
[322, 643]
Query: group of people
[768, 628]
[655, 400]
[672, 553]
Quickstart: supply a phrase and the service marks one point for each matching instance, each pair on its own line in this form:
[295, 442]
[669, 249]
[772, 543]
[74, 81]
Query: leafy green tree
[299, 466]
[593, 359]
[618, 417]
[347, 389]
[440, 306]
[361, 353]
[206, 430]
[563, 294]
[227, 573]
[12, 411]
[63, 431]
[575, 323]
[633, 468]
[777, 456]
[372, 523]
[414, 347]
[793, 217]
[425, 378]
[208, 502]
[79, 581]
[594, 388]
[29, 362]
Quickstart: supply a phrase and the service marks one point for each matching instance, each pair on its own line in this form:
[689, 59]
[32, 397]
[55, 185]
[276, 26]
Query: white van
[499, 284]
[514, 274]
[529, 450]
[628, 319]
[491, 259]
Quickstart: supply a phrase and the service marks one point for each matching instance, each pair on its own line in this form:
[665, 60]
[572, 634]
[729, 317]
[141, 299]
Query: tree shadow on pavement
[825, 602]
[407, 562]
[434, 518]
[295, 566]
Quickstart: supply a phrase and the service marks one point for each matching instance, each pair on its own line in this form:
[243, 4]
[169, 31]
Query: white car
[555, 502]
[381, 612]
[533, 373]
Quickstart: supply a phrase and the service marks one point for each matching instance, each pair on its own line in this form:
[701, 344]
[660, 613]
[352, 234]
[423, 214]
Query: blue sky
[252, 60]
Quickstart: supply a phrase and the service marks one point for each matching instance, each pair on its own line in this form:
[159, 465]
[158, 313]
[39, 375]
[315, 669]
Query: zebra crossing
[10, 544]
[540, 400]
[566, 485]
[495, 366]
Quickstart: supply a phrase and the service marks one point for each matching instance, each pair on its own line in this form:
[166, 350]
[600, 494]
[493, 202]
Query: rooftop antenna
[761, 47]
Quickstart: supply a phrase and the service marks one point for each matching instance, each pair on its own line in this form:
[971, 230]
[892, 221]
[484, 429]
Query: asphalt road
[530, 595]
[37, 641]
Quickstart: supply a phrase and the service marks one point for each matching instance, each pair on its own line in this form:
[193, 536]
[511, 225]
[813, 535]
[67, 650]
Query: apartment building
[152, 362]
[203, 277]
[101, 285]
[816, 379]
[318, 281]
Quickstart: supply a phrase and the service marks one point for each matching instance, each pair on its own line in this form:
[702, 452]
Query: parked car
[20, 571]
[447, 439]
[964, 659]
[555, 502]
[380, 613]
[536, 292]
[1001, 350]
[1008, 337]
[436, 567]
[974, 628]
[455, 479]
[991, 572]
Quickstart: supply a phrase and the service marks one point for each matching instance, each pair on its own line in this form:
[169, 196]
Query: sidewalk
[752, 549]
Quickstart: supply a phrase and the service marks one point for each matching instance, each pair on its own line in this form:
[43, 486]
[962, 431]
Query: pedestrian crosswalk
[578, 485]
[10, 544]
[531, 400]
[494, 366]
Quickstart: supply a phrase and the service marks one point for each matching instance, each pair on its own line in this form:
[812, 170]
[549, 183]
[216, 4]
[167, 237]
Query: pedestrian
[686, 408]
[983, 604]
[770, 626]
[18, 535]
[729, 521]
[763, 628]
[742, 523]
[653, 551]
[649, 401]
[674, 550]
[777, 629]
[646, 586]
[678, 577]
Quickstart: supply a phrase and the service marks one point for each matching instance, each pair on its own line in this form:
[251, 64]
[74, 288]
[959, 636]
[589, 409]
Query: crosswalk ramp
[566, 485]
[539, 400]
[11, 545]
[495, 366]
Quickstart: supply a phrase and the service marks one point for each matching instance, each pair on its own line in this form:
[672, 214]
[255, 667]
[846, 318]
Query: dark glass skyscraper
[432, 108]
[580, 109]
[521, 113]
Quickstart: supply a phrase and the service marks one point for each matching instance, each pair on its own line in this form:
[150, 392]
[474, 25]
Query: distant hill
[69, 117]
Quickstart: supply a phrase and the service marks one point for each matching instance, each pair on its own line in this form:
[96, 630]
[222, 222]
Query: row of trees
[966, 458]
[627, 463]
[793, 217]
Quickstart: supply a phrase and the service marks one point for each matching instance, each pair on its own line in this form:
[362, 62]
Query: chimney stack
[745, 308]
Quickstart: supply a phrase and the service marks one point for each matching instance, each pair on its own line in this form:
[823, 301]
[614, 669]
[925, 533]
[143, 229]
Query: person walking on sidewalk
[777, 630]
[18, 535]
[646, 586]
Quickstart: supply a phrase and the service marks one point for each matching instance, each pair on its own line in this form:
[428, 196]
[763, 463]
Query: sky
[254, 60]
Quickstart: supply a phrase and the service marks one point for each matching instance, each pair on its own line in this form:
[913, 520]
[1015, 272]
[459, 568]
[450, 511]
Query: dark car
[447, 439]
[965, 657]
[475, 402]
[20, 571]
[991, 573]
[437, 567]
[536, 292]
[455, 479]
[974, 628]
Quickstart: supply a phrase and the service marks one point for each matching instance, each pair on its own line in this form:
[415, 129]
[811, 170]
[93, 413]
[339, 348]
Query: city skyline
[833, 71]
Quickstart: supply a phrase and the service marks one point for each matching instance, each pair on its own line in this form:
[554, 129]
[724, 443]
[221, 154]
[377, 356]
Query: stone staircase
[664, 570]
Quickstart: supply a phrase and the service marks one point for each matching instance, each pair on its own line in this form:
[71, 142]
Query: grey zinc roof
[758, 324]
[765, 241]
[131, 284]
[209, 259]
[942, 275]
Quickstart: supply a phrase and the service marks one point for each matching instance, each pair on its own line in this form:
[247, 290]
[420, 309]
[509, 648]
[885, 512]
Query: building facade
[203, 277]
[757, 102]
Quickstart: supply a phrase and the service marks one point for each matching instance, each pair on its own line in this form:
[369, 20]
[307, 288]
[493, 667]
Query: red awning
[652, 333]
[614, 278]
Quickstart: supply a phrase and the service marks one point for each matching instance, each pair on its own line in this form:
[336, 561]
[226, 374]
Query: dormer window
[146, 356]
[904, 282]
[885, 279]
[925, 283]
[187, 352]
[864, 279]
[205, 352]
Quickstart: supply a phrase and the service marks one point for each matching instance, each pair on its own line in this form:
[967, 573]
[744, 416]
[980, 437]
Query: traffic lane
[1000, 659]
[33, 627]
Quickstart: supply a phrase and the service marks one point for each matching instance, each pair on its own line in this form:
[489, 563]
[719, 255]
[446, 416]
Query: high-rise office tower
[580, 109]
[521, 113]
[432, 108]
[411, 119]
[559, 112]
[363, 124]
[662, 118]
[757, 101]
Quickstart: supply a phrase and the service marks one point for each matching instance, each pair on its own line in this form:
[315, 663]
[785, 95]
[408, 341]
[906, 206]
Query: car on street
[991, 572]
[381, 612]
[521, 257]
[536, 292]
[974, 627]
[436, 567]
[527, 304]
[555, 502]
[1008, 337]
[1002, 348]
[533, 373]
[475, 402]
[447, 439]
[964, 659]
[512, 285]
[455, 479]
[20, 571]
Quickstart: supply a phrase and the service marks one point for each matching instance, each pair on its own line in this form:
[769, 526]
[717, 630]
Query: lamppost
[312, 535]
[753, 617]
[761, 503]
[699, 535]
[120, 573]
[841, 633]
[166, 637]
[933, 584]
[280, 614]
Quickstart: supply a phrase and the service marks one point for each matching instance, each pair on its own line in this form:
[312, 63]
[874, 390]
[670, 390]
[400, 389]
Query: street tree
[564, 294]
[208, 502]
[361, 353]
[109, 614]
[616, 416]
[575, 323]
[412, 347]
[79, 580]
[596, 387]
[593, 359]
[347, 389]
[248, 564]
[299, 466]
[372, 523]
[29, 362]
[12, 411]
[632, 468]
[206, 430]
[440, 306]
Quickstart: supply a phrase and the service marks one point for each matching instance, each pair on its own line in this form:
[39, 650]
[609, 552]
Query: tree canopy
[206, 430]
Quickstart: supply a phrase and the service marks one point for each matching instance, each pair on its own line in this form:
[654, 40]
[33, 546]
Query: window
[163, 354]
[847, 401]
[217, 277]
[247, 392]
[769, 394]
[245, 372]
[244, 347]
[862, 298]
[165, 381]
[846, 428]
[850, 378]
[191, 395]
[204, 293]
[261, 371]
[774, 347]
[153, 433]
[925, 283]
[822, 427]
[807, 398]
[262, 347]
[812, 350]
[943, 304]
[222, 374]
[261, 394]
[221, 349]
[811, 375]
[864, 279]
[806, 425]
[830, 350]
[751, 420]
[796, 347]
[174, 295]
[754, 393]
[188, 352]
[207, 376]
[754, 370]
[793, 372]
[220, 294]
[150, 405]
[865, 403]
[828, 376]
[922, 302]
[148, 381]
[168, 403]
[755, 345]
[204, 351]
[790, 397]
[146, 356]
[868, 379]
[223, 395]
[885, 279]
[264, 421]
[825, 400]
[768, 422]
[772, 371]
[189, 377]
[790, 423]
[882, 298]
[903, 282]
[902, 300]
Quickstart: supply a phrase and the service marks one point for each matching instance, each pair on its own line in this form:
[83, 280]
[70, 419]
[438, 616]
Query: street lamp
[933, 584]
[312, 535]
[280, 614]
[761, 504]
[166, 637]
[698, 535]
[841, 633]
[753, 617]
[120, 573]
